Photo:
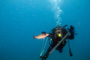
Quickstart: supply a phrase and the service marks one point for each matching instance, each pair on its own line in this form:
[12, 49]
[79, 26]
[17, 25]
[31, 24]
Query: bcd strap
[59, 43]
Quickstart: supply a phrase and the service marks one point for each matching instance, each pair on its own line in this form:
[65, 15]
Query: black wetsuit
[56, 40]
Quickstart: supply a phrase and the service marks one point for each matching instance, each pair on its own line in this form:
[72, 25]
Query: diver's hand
[71, 28]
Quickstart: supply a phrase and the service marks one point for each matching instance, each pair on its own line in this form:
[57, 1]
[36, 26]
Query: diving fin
[44, 57]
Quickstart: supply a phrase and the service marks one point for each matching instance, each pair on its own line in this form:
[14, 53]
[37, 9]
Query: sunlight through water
[57, 10]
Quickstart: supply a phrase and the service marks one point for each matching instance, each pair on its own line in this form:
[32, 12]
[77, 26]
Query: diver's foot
[41, 56]
[44, 57]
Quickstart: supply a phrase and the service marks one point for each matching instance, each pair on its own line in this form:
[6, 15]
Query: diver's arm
[71, 30]
[71, 36]
[41, 36]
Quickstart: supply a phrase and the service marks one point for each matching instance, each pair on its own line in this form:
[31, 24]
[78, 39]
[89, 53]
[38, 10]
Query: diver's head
[58, 31]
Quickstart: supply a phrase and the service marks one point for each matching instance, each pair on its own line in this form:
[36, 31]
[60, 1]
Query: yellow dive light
[59, 35]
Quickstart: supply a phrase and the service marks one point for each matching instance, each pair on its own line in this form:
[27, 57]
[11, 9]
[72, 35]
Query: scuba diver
[59, 38]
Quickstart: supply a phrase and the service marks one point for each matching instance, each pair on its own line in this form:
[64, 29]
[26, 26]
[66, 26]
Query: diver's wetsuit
[56, 40]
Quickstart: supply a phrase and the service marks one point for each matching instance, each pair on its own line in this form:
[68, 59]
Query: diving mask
[58, 33]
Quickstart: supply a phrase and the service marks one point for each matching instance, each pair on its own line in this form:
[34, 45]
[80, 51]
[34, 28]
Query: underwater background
[20, 20]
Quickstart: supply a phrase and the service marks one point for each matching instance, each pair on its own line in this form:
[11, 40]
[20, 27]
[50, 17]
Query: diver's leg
[47, 53]
[60, 48]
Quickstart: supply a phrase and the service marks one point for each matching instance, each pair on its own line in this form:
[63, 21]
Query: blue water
[21, 19]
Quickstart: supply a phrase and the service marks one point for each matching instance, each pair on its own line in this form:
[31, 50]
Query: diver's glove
[44, 33]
